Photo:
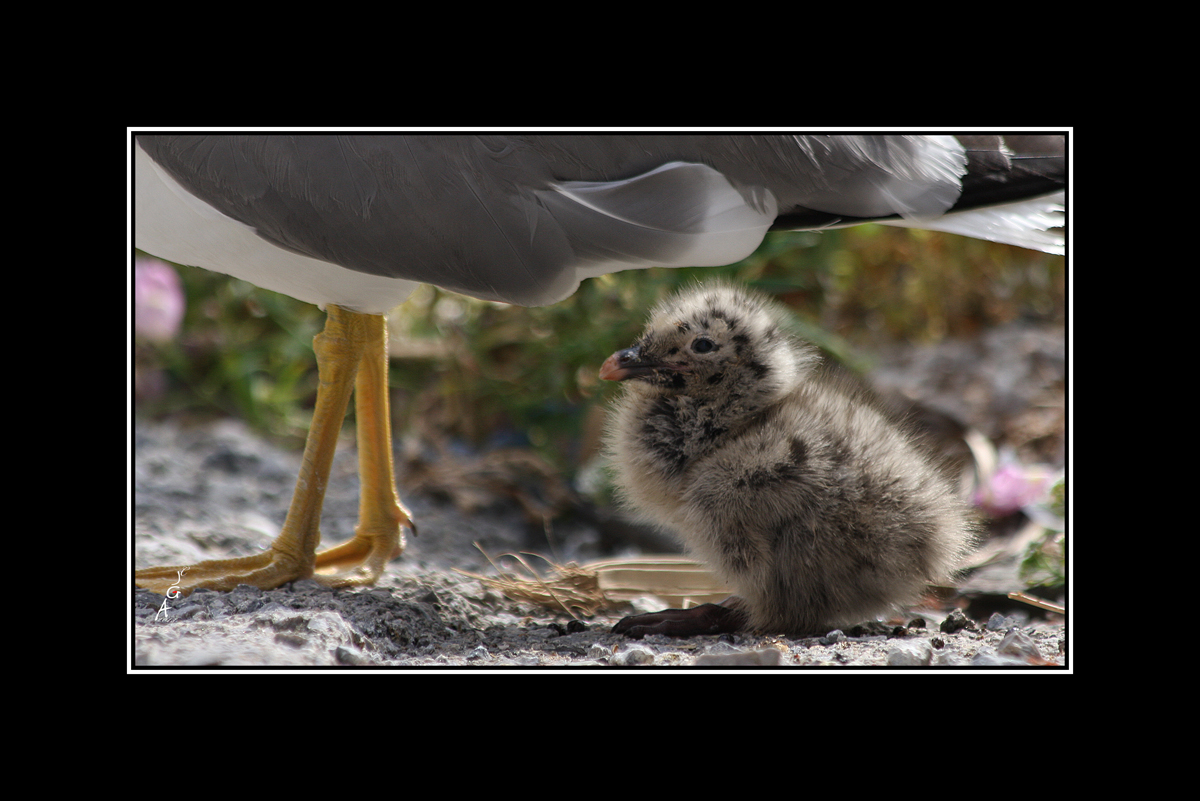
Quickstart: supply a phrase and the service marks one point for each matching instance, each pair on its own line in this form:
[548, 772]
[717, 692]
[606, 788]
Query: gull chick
[818, 509]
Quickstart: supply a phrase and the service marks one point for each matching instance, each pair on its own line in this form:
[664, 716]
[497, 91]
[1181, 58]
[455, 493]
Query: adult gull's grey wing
[524, 219]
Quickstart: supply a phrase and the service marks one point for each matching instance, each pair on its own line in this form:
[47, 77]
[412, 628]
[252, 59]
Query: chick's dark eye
[702, 345]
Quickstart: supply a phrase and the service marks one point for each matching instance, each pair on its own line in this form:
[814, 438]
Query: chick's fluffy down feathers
[815, 506]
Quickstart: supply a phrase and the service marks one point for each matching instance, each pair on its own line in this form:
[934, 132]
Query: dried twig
[1033, 600]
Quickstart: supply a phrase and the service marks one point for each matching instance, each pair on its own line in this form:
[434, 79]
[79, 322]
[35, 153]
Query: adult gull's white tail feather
[1034, 224]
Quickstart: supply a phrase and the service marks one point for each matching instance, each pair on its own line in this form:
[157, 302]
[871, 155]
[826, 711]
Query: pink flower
[157, 300]
[1012, 487]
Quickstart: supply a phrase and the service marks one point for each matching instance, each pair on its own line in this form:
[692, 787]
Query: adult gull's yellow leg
[378, 538]
[351, 355]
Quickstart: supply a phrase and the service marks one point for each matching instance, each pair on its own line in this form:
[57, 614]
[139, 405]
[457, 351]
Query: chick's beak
[621, 365]
[628, 363]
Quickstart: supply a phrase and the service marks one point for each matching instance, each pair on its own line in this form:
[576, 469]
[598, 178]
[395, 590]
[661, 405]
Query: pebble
[834, 636]
[599, 651]
[999, 622]
[1017, 643]
[957, 621]
[910, 653]
[633, 656]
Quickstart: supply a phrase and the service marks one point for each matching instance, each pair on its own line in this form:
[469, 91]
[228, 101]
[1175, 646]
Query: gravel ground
[218, 490]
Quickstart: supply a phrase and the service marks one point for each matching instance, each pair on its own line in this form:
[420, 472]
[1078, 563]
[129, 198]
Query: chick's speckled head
[712, 340]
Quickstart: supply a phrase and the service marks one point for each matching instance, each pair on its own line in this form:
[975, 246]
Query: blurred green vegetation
[488, 374]
[1044, 563]
[241, 351]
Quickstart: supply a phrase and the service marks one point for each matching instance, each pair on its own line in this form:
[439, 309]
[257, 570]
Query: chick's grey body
[813, 505]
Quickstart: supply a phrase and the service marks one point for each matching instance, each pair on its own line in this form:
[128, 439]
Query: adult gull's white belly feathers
[354, 223]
